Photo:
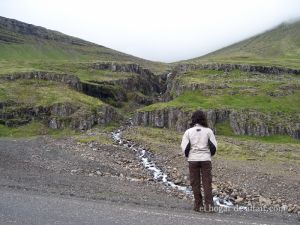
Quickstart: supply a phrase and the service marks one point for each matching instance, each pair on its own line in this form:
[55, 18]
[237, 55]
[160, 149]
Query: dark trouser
[201, 170]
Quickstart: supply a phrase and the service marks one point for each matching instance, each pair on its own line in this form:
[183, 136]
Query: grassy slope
[246, 91]
[44, 93]
[279, 46]
[28, 47]
[25, 48]
[229, 146]
[33, 129]
[34, 93]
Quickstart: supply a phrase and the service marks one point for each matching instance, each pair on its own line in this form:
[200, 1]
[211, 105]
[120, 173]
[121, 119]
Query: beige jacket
[198, 137]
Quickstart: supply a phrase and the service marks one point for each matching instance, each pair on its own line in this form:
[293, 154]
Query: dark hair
[199, 117]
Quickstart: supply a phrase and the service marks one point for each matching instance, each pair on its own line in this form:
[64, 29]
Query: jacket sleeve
[212, 138]
[185, 141]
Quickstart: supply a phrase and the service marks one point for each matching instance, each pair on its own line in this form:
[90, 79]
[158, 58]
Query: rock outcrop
[71, 80]
[175, 88]
[242, 122]
[145, 81]
[60, 115]
[142, 80]
[63, 116]
[242, 67]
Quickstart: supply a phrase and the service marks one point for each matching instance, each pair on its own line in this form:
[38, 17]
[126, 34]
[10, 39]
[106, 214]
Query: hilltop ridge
[278, 46]
[23, 42]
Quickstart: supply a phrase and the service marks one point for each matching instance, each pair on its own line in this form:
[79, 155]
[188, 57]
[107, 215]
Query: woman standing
[199, 158]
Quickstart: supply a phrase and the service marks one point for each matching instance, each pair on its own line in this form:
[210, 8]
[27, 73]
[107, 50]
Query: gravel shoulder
[68, 168]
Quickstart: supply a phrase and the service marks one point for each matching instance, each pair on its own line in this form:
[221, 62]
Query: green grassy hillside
[279, 46]
[36, 93]
[265, 93]
[260, 101]
[29, 45]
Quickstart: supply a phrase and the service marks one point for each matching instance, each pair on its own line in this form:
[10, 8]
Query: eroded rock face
[145, 81]
[259, 124]
[82, 119]
[21, 115]
[241, 122]
[60, 115]
[71, 80]
[229, 67]
[142, 80]
[176, 87]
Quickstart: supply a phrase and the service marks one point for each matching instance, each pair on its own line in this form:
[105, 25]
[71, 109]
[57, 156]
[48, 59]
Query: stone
[242, 122]
[296, 209]
[291, 209]
[178, 181]
[99, 173]
[265, 201]
[239, 200]
[214, 191]
[248, 196]
[234, 194]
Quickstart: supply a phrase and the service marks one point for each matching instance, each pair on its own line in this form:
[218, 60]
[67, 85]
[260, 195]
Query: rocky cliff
[144, 80]
[60, 115]
[71, 80]
[241, 122]
[63, 116]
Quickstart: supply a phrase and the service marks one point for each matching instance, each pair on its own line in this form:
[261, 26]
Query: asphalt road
[30, 209]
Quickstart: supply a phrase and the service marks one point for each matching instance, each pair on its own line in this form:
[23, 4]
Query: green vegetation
[41, 46]
[279, 46]
[234, 147]
[224, 129]
[155, 138]
[33, 129]
[197, 100]
[84, 71]
[44, 93]
[101, 138]
[37, 128]
[249, 91]
[280, 139]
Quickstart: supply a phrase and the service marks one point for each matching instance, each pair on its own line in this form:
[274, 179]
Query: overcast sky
[161, 30]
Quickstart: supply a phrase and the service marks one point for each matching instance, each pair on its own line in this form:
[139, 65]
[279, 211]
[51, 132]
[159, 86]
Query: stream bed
[158, 175]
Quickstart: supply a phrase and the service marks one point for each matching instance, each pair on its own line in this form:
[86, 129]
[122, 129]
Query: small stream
[158, 175]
